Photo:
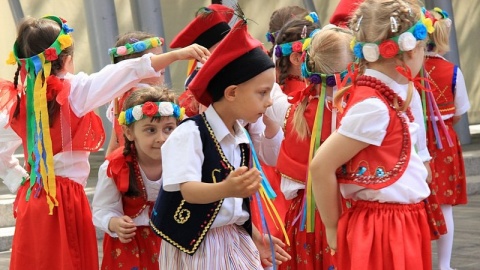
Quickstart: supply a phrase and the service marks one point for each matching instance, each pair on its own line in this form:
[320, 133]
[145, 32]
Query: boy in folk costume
[203, 213]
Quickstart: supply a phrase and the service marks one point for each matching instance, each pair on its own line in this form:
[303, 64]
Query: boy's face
[254, 96]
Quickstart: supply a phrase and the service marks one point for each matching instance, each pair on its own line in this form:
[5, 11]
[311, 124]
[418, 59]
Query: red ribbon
[119, 170]
[417, 81]
[299, 95]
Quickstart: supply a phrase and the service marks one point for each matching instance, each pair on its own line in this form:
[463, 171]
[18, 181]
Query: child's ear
[128, 132]
[68, 64]
[295, 58]
[230, 92]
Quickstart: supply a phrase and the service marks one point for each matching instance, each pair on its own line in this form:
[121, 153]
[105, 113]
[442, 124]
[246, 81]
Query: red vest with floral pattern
[376, 167]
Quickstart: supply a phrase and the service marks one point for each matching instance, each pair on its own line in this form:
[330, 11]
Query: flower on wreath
[121, 118]
[428, 24]
[65, 41]
[352, 44]
[297, 46]
[11, 59]
[286, 49]
[121, 50]
[129, 116]
[67, 29]
[51, 54]
[330, 81]
[165, 109]
[420, 32]
[154, 42]
[315, 79]
[306, 43]
[137, 112]
[150, 109]
[371, 52]
[278, 51]
[358, 50]
[388, 48]
[139, 46]
[407, 42]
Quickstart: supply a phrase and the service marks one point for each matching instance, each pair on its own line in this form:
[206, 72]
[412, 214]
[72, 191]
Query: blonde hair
[441, 36]
[329, 53]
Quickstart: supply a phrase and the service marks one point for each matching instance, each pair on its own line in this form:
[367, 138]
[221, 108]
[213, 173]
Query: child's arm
[11, 172]
[241, 183]
[89, 92]
[332, 154]
[263, 245]
[267, 137]
[107, 208]
[462, 104]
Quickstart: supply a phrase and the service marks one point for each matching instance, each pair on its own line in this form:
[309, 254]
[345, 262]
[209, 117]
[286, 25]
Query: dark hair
[35, 36]
[131, 37]
[281, 16]
[292, 31]
[137, 97]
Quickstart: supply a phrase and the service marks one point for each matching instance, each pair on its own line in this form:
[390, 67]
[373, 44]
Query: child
[279, 18]
[343, 12]
[128, 46]
[207, 29]
[326, 58]
[450, 95]
[371, 158]
[130, 179]
[54, 228]
[203, 211]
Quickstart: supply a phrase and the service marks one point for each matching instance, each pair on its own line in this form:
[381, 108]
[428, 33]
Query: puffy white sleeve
[462, 104]
[107, 201]
[11, 172]
[182, 156]
[417, 111]
[89, 92]
[280, 105]
[366, 121]
[267, 148]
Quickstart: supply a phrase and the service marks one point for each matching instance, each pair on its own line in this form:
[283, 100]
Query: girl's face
[149, 136]
[415, 59]
[155, 80]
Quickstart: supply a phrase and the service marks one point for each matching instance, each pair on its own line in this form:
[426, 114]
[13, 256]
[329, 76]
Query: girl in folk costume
[371, 158]
[128, 46]
[130, 179]
[207, 29]
[203, 210]
[343, 12]
[308, 119]
[52, 212]
[449, 95]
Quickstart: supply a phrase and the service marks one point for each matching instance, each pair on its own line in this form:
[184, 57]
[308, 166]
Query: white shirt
[367, 121]
[107, 200]
[183, 157]
[87, 93]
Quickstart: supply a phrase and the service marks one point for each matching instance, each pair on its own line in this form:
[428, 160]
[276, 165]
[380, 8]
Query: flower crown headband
[36, 69]
[139, 46]
[407, 41]
[150, 109]
[312, 17]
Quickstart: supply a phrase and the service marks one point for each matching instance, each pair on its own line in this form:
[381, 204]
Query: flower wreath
[150, 109]
[136, 47]
[391, 47]
[298, 46]
[271, 36]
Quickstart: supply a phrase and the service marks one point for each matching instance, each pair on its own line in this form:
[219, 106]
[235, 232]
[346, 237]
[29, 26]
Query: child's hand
[429, 170]
[331, 235]
[243, 182]
[193, 51]
[263, 245]
[123, 227]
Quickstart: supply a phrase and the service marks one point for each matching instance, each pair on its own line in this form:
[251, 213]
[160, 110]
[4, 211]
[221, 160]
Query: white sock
[445, 243]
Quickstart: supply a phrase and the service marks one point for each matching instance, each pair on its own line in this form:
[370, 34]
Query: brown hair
[440, 38]
[137, 97]
[292, 31]
[131, 37]
[281, 16]
[33, 37]
[329, 53]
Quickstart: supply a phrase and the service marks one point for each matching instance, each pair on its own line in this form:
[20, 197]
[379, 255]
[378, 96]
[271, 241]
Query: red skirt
[374, 235]
[140, 253]
[448, 168]
[309, 251]
[64, 240]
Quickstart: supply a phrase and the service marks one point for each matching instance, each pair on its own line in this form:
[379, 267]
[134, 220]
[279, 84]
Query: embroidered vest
[185, 225]
[119, 170]
[444, 78]
[87, 132]
[292, 160]
[376, 167]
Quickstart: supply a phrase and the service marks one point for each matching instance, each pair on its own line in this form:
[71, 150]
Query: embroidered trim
[287, 114]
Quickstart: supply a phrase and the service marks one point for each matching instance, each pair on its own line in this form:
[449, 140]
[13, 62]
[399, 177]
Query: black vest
[185, 225]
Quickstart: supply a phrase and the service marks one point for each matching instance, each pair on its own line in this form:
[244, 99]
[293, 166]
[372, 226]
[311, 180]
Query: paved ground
[466, 250]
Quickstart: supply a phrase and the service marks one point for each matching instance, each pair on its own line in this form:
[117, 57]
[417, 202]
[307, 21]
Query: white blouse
[107, 200]
[87, 93]
[367, 121]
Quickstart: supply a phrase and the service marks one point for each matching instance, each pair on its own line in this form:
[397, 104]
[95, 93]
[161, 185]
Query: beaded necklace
[139, 179]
